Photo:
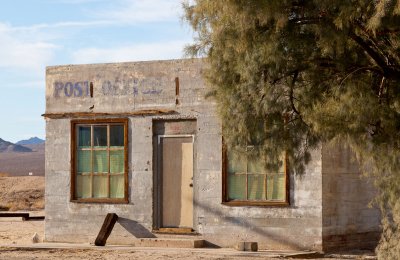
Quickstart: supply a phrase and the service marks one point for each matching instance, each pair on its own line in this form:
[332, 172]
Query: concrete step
[170, 242]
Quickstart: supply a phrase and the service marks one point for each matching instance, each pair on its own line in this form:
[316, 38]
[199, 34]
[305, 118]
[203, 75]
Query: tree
[288, 75]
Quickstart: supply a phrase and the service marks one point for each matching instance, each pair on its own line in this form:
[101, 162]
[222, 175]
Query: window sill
[256, 203]
[102, 201]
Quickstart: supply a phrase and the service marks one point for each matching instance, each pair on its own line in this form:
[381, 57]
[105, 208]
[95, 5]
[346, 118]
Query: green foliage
[289, 75]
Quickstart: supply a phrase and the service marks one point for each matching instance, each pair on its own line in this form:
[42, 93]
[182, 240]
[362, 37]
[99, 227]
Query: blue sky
[40, 33]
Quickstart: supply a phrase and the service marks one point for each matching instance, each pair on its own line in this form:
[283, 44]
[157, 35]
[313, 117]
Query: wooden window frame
[74, 123]
[260, 203]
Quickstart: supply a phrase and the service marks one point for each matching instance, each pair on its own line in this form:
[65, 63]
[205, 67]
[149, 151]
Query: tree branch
[291, 92]
[388, 71]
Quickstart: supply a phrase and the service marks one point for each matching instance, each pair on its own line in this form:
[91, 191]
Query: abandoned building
[140, 140]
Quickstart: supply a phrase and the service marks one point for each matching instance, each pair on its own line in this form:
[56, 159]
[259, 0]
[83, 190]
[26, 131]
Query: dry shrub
[3, 174]
[21, 193]
[4, 207]
[38, 205]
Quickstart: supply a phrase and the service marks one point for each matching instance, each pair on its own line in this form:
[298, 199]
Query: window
[99, 160]
[246, 182]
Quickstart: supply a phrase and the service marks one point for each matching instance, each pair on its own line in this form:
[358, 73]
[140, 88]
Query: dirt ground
[143, 254]
[22, 193]
[16, 243]
[27, 194]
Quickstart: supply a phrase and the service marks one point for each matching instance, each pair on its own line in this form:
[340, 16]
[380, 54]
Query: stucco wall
[131, 87]
[297, 226]
[348, 222]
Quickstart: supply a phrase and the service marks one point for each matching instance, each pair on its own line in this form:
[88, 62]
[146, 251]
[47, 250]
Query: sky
[40, 33]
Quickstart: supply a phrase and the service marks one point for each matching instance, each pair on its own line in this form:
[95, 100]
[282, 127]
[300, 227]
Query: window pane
[276, 187]
[255, 165]
[236, 162]
[100, 136]
[255, 186]
[100, 186]
[82, 189]
[84, 136]
[116, 135]
[100, 161]
[117, 186]
[117, 161]
[237, 187]
[84, 161]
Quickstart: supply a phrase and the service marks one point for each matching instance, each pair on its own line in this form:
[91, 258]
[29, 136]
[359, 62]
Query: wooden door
[177, 181]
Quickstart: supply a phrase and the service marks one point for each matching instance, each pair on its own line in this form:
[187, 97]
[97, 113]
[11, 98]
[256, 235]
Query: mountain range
[6, 146]
[32, 140]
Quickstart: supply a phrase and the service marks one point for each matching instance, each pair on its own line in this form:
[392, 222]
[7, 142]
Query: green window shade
[100, 136]
[247, 178]
[255, 186]
[276, 187]
[84, 136]
[117, 161]
[84, 161]
[117, 186]
[236, 162]
[83, 184]
[100, 161]
[100, 183]
[116, 135]
[255, 165]
[237, 186]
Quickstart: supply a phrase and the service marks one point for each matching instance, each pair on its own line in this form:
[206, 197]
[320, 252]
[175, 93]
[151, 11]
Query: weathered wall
[348, 222]
[117, 88]
[297, 226]
[130, 87]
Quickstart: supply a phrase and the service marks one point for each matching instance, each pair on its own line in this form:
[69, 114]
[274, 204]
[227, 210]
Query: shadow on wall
[248, 227]
[134, 228]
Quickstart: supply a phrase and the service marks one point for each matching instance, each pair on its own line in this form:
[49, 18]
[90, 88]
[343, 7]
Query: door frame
[158, 187]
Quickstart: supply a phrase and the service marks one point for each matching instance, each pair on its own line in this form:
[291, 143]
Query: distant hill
[6, 147]
[32, 140]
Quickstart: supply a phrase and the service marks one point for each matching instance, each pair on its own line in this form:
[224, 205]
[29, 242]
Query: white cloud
[73, 2]
[23, 52]
[33, 46]
[141, 11]
[134, 52]
[33, 84]
[40, 26]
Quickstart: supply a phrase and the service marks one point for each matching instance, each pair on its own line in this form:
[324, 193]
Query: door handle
[191, 185]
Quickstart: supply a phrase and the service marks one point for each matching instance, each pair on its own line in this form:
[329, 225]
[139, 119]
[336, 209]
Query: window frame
[74, 124]
[269, 203]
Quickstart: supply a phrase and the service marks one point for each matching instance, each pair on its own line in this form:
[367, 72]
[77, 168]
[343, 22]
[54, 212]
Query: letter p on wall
[58, 86]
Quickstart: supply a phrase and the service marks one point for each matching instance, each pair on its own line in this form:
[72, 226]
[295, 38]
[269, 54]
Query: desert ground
[16, 236]
[22, 193]
[20, 164]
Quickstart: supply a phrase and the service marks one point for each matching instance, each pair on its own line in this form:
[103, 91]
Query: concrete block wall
[80, 222]
[131, 87]
[348, 221]
[297, 226]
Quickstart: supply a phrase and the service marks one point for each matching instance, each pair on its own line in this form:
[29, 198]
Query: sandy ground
[21, 193]
[20, 164]
[27, 194]
[143, 254]
[16, 243]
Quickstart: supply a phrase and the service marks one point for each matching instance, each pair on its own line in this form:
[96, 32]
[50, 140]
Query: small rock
[247, 246]
[35, 238]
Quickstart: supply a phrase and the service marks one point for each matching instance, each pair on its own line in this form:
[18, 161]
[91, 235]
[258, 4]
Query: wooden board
[106, 229]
